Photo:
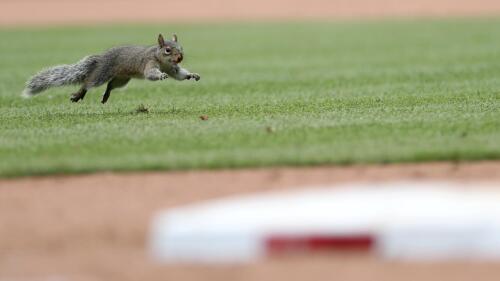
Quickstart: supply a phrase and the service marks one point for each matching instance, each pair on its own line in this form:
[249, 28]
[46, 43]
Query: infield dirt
[95, 227]
[33, 12]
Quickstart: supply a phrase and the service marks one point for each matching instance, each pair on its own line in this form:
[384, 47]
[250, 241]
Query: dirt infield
[94, 227]
[35, 12]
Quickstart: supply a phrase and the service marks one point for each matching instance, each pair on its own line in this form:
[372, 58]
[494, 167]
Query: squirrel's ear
[161, 41]
[174, 37]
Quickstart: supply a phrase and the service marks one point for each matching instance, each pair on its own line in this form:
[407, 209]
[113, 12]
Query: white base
[406, 220]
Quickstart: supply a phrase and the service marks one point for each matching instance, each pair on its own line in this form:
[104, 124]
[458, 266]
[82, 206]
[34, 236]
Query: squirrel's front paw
[163, 76]
[194, 76]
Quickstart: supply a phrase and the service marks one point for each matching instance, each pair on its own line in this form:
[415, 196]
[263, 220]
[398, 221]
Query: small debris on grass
[270, 129]
[204, 117]
[142, 109]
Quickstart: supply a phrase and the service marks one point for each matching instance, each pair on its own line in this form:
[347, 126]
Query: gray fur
[61, 75]
[124, 61]
[116, 67]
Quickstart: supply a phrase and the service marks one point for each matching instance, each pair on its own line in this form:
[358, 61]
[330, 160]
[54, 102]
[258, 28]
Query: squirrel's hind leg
[79, 95]
[116, 82]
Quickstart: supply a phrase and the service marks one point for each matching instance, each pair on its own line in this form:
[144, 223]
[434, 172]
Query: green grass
[275, 94]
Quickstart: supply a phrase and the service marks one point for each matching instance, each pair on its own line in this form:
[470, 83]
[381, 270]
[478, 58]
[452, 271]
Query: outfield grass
[275, 94]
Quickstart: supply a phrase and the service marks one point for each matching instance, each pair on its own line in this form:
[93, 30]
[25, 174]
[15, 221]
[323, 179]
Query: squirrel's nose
[179, 58]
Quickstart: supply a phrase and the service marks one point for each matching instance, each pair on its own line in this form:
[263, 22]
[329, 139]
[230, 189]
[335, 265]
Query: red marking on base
[277, 244]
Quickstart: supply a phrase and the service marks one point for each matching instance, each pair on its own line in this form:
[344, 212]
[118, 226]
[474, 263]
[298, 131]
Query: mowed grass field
[274, 94]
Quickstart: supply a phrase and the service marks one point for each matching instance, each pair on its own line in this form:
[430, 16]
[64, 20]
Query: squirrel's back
[123, 61]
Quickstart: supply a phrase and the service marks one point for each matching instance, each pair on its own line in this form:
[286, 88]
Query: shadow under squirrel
[116, 67]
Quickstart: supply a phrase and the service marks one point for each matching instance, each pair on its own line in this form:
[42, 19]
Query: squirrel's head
[169, 52]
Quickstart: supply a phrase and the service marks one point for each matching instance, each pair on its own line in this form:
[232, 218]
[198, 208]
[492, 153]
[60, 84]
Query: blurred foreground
[95, 227]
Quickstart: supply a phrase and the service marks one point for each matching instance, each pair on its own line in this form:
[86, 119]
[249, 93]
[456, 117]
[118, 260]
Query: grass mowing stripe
[368, 92]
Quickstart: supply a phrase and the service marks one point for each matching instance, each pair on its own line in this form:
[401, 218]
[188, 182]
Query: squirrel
[116, 67]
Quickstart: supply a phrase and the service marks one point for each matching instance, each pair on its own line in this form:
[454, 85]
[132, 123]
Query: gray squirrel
[116, 67]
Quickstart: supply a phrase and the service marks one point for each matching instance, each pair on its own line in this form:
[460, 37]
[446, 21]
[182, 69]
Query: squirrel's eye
[167, 51]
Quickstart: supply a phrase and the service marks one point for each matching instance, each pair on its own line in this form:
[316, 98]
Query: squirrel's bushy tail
[60, 75]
